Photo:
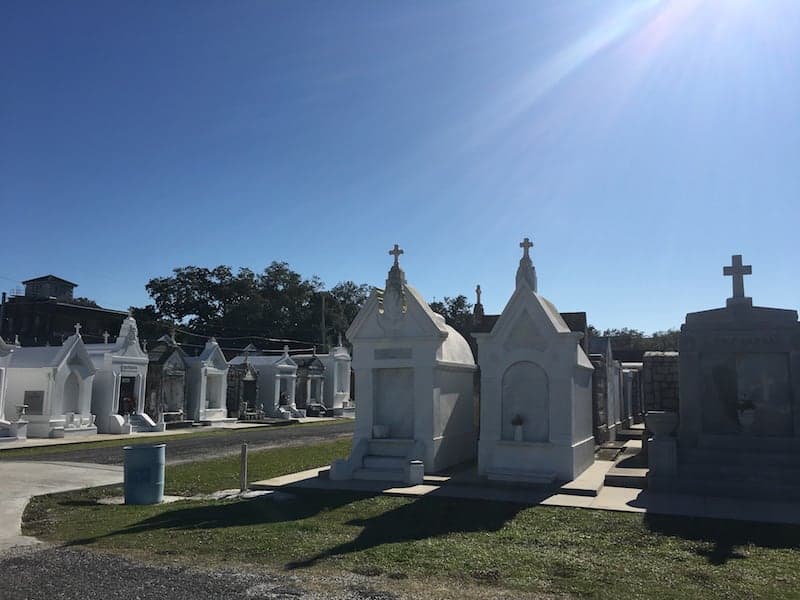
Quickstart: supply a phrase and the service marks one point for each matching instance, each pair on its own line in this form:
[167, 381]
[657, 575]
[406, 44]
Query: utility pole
[324, 341]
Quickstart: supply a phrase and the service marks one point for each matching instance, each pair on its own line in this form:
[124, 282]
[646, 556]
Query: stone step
[757, 475]
[390, 447]
[717, 456]
[750, 443]
[725, 488]
[384, 462]
[397, 475]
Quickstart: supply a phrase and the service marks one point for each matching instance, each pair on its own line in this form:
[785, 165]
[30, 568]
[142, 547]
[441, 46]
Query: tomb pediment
[394, 314]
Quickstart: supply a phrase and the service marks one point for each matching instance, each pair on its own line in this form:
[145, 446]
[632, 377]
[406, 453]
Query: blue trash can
[144, 474]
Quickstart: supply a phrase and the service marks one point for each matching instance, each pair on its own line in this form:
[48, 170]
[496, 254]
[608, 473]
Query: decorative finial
[526, 245]
[16, 341]
[737, 271]
[477, 310]
[286, 349]
[396, 252]
[144, 345]
[340, 339]
[314, 350]
[78, 329]
[526, 273]
[106, 335]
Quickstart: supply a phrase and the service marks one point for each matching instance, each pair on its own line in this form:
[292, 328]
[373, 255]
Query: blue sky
[638, 143]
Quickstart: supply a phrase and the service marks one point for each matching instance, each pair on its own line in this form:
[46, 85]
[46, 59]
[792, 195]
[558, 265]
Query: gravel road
[51, 573]
[189, 447]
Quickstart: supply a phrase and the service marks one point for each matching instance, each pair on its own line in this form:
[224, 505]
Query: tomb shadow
[256, 511]
[427, 517]
[720, 540]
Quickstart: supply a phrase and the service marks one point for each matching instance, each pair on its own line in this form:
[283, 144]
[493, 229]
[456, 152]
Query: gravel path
[187, 448]
[55, 573]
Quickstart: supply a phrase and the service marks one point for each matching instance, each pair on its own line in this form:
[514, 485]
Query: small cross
[478, 292]
[396, 252]
[737, 271]
[105, 337]
[526, 245]
[77, 328]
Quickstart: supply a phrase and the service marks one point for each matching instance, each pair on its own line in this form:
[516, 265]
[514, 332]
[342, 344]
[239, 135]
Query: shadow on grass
[426, 517]
[258, 511]
[720, 538]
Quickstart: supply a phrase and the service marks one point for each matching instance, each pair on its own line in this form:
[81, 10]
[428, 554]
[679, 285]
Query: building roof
[49, 278]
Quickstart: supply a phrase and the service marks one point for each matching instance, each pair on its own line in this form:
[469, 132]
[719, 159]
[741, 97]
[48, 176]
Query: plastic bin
[144, 474]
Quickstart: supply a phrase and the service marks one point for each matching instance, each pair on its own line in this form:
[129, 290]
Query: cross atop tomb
[396, 252]
[478, 293]
[526, 245]
[737, 271]
[77, 328]
[105, 337]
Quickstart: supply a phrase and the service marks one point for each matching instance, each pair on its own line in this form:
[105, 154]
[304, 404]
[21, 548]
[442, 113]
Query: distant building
[48, 311]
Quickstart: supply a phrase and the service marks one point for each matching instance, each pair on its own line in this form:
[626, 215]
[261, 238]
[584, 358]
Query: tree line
[281, 303]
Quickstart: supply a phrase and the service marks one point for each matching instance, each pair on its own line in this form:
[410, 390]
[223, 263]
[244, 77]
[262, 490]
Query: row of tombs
[119, 388]
[723, 412]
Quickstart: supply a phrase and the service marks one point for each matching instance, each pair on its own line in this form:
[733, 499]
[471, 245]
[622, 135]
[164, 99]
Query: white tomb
[536, 399]
[414, 376]
[118, 393]
[207, 385]
[277, 377]
[55, 385]
[13, 425]
[334, 390]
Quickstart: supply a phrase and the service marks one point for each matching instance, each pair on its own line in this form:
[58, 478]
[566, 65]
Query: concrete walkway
[607, 498]
[23, 480]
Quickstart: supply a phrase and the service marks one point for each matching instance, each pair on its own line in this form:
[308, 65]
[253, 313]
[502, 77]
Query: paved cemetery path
[186, 448]
[23, 480]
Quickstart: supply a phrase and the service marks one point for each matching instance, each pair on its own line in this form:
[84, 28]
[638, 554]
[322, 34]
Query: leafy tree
[457, 312]
[277, 303]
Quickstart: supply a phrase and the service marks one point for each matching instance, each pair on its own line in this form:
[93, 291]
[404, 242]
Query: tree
[277, 303]
[457, 312]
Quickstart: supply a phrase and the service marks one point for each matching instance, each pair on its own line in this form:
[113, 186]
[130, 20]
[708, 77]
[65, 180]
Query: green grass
[457, 543]
[207, 476]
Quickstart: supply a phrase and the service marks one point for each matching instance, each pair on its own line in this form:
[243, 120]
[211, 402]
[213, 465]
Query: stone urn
[662, 423]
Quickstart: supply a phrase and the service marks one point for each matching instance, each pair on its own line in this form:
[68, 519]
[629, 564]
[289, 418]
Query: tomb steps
[756, 472]
[142, 423]
[389, 460]
[372, 461]
[369, 474]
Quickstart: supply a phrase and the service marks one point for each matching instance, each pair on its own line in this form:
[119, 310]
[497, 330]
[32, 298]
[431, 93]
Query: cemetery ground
[317, 542]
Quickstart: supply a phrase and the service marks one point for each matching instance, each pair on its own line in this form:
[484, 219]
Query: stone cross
[478, 292]
[105, 337]
[77, 328]
[737, 271]
[526, 245]
[396, 252]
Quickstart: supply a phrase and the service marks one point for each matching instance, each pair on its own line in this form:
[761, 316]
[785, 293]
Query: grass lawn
[459, 543]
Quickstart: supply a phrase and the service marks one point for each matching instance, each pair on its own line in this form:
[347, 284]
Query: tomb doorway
[72, 391]
[526, 402]
[127, 395]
